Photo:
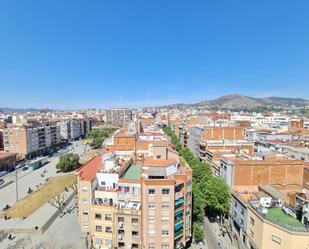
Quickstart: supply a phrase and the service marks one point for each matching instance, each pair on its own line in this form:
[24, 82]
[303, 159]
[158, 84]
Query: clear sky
[80, 54]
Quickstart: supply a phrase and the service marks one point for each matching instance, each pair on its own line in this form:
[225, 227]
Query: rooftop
[88, 171]
[149, 161]
[133, 172]
[278, 215]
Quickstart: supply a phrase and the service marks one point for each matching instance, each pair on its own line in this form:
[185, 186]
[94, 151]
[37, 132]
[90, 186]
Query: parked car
[19, 166]
[3, 173]
[25, 168]
[1, 181]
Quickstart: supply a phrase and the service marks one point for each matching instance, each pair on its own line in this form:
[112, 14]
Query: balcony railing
[178, 234]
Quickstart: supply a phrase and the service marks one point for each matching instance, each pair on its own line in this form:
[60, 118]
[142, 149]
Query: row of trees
[210, 194]
[98, 136]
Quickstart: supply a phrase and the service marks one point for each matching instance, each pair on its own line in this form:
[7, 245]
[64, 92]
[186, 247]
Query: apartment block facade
[74, 129]
[31, 141]
[136, 202]
[118, 116]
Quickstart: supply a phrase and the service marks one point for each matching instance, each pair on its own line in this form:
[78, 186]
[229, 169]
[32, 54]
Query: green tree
[68, 162]
[209, 192]
[198, 231]
[97, 137]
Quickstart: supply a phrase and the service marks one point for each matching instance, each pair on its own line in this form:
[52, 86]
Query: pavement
[32, 178]
[64, 233]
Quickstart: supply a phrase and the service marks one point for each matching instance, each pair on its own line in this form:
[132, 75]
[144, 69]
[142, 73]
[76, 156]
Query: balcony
[178, 234]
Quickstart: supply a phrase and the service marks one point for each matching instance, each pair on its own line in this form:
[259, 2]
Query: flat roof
[133, 172]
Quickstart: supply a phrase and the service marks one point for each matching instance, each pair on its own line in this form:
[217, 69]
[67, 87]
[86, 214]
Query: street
[31, 178]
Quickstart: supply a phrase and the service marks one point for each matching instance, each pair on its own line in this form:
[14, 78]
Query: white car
[3, 173]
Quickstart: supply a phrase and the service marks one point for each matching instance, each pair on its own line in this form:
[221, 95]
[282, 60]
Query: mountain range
[236, 101]
[232, 101]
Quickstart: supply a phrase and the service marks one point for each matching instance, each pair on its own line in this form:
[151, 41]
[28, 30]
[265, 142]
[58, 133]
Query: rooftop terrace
[281, 217]
[133, 172]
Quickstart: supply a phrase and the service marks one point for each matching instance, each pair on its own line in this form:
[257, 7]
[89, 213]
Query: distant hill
[237, 101]
[8, 110]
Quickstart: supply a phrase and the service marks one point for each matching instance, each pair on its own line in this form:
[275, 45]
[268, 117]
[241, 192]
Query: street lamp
[16, 179]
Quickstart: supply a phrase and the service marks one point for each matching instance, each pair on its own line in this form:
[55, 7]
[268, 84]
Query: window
[86, 224]
[103, 183]
[84, 188]
[151, 205]
[165, 205]
[165, 220]
[98, 228]
[108, 229]
[251, 221]
[151, 232]
[120, 244]
[165, 232]
[85, 212]
[165, 246]
[251, 233]
[98, 216]
[151, 219]
[151, 246]
[165, 191]
[151, 191]
[108, 242]
[108, 217]
[241, 221]
[135, 191]
[120, 219]
[84, 201]
[98, 241]
[235, 204]
[242, 211]
[134, 221]
[134, 234]
[276, 239]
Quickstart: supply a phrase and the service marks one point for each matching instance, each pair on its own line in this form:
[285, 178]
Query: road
[32, 178]
[210, 236]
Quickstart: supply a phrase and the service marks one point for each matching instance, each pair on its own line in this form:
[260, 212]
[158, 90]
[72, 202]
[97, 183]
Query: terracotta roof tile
[88, 171]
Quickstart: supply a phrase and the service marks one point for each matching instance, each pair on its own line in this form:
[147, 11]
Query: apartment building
[74, 129]
[30, 141]
[246, 173]
[118, 116]
[136, 202]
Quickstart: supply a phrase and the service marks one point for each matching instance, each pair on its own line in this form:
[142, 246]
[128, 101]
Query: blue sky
[79, 54]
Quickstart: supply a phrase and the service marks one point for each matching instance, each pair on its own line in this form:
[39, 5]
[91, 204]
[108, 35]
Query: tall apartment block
[29, 141]
[118, 116]
[74, 129]
[128, 202]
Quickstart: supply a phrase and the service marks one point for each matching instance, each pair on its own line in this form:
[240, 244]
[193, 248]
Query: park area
[42, 195]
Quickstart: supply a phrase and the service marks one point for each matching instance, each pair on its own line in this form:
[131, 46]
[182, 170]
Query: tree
[98, 137]
[68, 162]
[198, 231]
[58, 201]
[209, 192]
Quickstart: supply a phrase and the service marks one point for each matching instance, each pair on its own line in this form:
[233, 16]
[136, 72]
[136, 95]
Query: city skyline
[139, 54]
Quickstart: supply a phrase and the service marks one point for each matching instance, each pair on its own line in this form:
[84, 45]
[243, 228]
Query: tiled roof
[88, 171]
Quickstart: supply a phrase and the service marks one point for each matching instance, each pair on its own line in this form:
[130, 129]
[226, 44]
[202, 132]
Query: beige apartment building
[264, 233]
[128, 202]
